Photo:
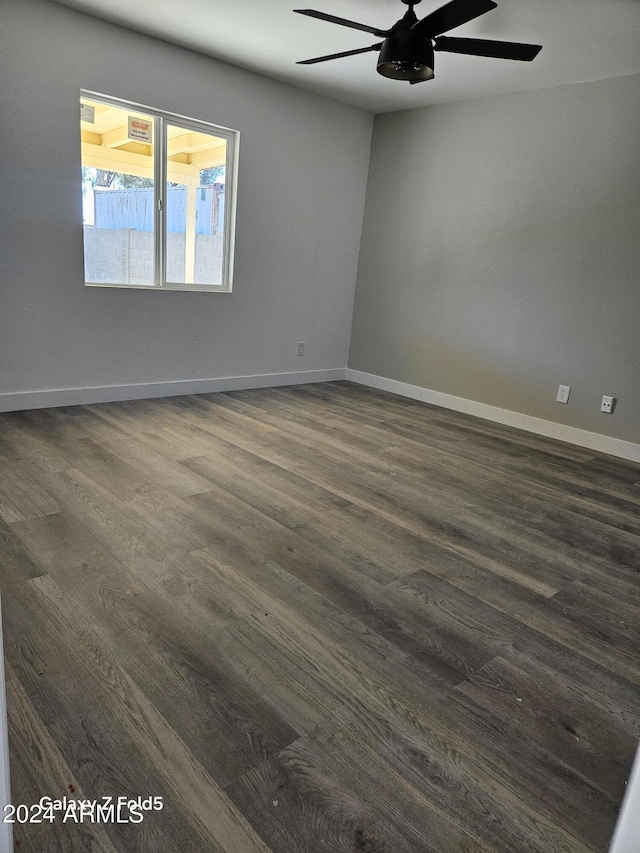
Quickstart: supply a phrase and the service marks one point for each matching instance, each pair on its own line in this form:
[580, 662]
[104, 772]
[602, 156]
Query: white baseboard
[625, 839]
[549, 429]
[18, 401]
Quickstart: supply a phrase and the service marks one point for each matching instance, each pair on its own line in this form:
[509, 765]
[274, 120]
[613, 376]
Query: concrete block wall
[175, 257]
[106, 255]
[209, 258]
[141, 251]
[124, 255]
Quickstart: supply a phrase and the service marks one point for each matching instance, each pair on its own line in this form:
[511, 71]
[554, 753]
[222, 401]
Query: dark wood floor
[318, 619]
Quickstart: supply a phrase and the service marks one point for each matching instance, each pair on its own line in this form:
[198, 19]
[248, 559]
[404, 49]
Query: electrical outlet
[607, 405]
[563, 394]
[300, 347]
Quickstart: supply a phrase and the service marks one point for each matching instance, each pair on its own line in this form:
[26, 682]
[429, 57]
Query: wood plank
[288, 652]
[376, 536]
[124, 532]
[16, 564]
[453, 755]
[546, 616]
[167, 650]
[435, 636]
[311, 797]
[21, 496]
[615, 695]
[139, 455]
[39, 770]
[44, 437]
[556, 716]
[76, 685]
[327, 597]
[407, 506]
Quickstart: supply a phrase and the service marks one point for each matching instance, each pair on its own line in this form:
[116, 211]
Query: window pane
[195, 206]
[118, 200]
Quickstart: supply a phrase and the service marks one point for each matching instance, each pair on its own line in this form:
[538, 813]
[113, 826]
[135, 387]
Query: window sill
[192, 288]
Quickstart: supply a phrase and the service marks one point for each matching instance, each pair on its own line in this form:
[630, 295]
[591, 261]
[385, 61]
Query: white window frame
[160, 120]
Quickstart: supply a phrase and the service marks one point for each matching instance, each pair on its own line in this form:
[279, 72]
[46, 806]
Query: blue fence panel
[133, 209]
[177, 210]
[124, 209]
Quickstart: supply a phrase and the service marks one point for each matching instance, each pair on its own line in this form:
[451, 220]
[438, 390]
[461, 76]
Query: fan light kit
[407, 52]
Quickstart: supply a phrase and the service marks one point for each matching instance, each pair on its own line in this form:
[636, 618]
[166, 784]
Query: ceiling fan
[408, 47]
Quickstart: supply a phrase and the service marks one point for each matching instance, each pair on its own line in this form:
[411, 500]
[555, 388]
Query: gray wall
[501, 252]
[302, 183]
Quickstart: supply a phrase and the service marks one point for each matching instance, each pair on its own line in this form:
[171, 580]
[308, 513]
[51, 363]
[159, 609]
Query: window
[158, 198]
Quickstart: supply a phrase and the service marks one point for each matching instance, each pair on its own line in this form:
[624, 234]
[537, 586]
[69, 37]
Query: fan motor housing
[406, 55]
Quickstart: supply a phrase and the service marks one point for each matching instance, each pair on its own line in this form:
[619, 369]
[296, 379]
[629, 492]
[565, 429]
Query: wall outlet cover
[607, 405]
[563, 394]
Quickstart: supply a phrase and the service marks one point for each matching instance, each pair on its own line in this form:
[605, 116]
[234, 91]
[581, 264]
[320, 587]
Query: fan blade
[311, 13]
[484, 47]
[452, 15]
[340, 55]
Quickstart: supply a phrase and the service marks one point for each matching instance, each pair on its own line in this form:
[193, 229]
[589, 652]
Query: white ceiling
[582, 40]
